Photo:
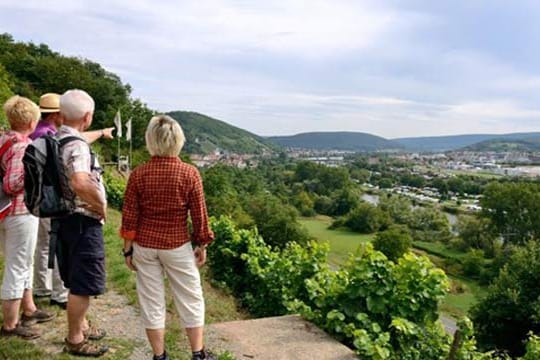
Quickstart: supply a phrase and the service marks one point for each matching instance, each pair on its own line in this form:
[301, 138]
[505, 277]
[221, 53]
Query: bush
[393, 242]
[510, 309]
[366, 219]
[473, 263]
[115, 187]
[385, 310]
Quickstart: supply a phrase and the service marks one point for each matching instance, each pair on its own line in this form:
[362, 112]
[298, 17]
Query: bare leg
[76, 313]
[10, 310]
[195, 336]
[157, 340]
[28, 305]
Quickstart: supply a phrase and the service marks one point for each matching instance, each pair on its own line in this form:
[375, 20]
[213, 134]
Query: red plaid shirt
[158, 197]
[13, 171]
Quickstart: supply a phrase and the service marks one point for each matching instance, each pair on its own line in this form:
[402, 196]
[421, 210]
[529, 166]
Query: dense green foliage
[366, 219]
[514, 210]
[393, 242]
[476, 233]
[429, 225]
[384, 310]
[115, 187]
[32, 70]
[206, 135]
[510, 310]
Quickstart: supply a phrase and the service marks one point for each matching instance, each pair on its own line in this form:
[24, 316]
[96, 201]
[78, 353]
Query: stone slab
[276, 338]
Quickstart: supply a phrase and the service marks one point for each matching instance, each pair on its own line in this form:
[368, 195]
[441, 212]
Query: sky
[393, 68]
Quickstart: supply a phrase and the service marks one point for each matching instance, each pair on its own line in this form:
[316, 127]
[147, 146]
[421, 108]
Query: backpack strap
[5, 146]
[64, 141]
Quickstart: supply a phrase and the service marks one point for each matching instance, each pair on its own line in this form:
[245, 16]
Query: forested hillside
[350, 141]
[206, 134]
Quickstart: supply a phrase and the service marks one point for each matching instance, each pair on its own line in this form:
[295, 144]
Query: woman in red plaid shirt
[159, 196]
[18, 230]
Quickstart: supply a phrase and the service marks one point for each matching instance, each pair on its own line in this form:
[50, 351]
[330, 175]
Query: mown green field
[342, 242]
[464, 292]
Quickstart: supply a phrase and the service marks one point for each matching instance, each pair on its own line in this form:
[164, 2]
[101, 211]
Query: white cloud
[291, 66]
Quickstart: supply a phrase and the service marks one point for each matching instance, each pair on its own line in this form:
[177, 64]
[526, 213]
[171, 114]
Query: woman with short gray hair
[18, 230]
[159, 196]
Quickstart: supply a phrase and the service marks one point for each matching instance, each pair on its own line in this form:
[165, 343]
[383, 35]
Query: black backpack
[46, 192]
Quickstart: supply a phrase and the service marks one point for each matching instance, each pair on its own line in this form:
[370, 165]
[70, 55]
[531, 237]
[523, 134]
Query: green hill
[205, 135]
[455, 142]
[349, 141]
[502, 145]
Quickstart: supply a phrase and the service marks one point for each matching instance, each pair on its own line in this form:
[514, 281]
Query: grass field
[342, 242]
[439, 249]
[464, 294]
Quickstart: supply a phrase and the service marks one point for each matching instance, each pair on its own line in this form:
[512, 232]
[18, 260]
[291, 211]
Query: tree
[277, 222]
[366, 219]
[514, 210]
[399, 208]
[393, 242]
[428, 224]
[5, 93]
[304, 203]
[344, 201]
[476, 233]
[504, 317]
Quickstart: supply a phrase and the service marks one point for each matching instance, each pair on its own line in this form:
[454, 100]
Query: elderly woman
[18, 230]
[157, 242]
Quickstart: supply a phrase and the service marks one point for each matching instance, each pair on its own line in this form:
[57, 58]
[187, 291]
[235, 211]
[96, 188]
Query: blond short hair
[21, 112]
[164, 136]
[75, 104]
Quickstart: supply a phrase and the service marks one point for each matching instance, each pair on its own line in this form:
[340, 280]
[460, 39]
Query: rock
[276, 338]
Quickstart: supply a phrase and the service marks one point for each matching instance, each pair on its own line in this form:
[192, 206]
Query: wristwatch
[128, 253]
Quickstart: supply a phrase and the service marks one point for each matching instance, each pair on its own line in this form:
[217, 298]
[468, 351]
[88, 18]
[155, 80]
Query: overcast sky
[388, 67]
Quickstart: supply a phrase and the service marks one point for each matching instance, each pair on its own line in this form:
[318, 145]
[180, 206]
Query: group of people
[160, 195]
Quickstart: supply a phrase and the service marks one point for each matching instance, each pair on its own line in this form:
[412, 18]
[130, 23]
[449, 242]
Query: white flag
[118, 123]
[128, 130]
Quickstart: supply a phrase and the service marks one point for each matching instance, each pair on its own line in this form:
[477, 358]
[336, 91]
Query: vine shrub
[385, 310]
[115, 186]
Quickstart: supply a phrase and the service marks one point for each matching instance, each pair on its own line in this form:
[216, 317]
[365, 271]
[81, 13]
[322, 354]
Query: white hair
[75, 104]
[164, 136]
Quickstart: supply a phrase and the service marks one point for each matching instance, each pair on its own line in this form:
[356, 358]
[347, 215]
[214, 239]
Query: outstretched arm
[91, 136]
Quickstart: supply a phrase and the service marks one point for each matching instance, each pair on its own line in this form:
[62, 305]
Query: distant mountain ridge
[506, 144]
[342, 140]
[205, 135]
[455, 142]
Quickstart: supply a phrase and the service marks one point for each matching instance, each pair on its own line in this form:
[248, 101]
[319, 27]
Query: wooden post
[455, 345]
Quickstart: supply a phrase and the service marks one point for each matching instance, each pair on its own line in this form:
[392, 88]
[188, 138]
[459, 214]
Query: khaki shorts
[184, 280]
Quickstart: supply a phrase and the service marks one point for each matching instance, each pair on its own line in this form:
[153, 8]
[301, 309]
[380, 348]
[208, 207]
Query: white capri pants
[18, 237]
[184, 280]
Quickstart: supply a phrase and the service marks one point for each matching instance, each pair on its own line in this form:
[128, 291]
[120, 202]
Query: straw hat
[49, 103]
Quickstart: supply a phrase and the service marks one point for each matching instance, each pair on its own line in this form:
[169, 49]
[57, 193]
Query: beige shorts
[18, 237]
[184, 280]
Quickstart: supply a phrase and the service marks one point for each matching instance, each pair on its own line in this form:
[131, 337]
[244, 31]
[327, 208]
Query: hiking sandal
[38, 316]
[93, 332]
[84, 348]
[23, 332]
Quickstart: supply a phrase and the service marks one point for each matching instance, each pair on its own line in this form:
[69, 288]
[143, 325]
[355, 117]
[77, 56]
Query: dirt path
[125, 334]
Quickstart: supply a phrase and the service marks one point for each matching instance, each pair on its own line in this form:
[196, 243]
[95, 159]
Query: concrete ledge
[276, 338]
